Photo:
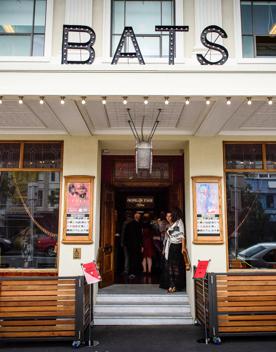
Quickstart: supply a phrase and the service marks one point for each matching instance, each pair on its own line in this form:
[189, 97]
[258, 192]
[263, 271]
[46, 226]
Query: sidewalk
[149, 339]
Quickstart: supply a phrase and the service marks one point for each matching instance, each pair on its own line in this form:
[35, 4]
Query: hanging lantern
[143, 156]
[143, 144]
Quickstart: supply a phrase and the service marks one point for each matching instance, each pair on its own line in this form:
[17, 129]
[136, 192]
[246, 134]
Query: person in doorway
[128, 219]
[148, 247]
[133, 243]
[175, 246]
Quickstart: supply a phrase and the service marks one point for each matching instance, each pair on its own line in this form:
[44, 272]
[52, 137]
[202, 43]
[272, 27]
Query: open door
[176, 196]
[108, 228]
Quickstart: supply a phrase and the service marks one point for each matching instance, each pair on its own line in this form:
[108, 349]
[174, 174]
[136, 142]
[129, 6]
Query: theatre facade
[78, 77]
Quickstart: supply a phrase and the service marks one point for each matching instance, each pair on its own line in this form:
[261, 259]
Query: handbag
[187, 261]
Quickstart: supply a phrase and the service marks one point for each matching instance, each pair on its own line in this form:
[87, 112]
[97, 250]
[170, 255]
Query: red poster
[201, 269]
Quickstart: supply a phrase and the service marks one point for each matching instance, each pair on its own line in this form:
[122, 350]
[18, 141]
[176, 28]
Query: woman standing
[148, 247]
[175, 246]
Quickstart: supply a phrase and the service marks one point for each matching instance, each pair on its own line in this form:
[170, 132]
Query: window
[29, 204]
[258, 17]
[251, 209]
[22, 27]
[143, 16]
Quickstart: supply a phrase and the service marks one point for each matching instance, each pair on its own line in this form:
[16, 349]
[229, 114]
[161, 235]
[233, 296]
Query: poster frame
[205, 239]
[78, 239]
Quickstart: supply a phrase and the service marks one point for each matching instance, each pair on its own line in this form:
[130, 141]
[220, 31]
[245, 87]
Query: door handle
[107, 249]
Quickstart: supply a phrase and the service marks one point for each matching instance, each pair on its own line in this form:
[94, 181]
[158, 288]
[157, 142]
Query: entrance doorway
[124, 193]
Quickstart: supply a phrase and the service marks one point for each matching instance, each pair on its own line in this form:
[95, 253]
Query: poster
[78, 194]
[207, 209]
[78, 204]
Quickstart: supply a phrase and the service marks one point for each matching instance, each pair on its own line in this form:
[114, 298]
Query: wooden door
[176, 196]
[108, 229]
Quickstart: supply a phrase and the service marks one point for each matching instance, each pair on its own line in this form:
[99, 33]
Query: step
[142, 299]
[144, 309]
[150, 320]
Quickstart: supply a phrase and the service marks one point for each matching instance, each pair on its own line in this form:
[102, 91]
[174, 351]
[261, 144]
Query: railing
[44, 308]
[237, 303]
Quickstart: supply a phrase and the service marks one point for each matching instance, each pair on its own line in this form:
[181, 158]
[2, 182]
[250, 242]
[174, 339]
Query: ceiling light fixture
[207, 100]
[103, 100]
[146, 100]
[187, 100]
[8, 28]
[83, 100]
[167, 101]
[269, 101]
[249, 101]
[228, 101]
[41, 100]
[125, 100]
[20, 100]
[62, 100]
[1, 100]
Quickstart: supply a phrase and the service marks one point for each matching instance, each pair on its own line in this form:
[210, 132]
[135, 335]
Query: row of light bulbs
[146, 100]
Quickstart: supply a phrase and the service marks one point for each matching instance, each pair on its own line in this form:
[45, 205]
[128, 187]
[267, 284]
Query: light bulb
[62, 100]
[83, 100]
[187, 100]
[269, 101]
[208, 101]
[103, 100]
[167, 100]
[125, 100]
[228, 101]
[146, 100]
[41, 100]
[249, 101]
[20, 100]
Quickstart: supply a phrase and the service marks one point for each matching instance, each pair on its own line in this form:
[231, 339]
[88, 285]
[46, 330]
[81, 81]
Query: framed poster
[207, 210]
[78, 209]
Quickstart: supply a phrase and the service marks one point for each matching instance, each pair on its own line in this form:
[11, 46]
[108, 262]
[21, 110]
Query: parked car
[5, 245]
[45, 243]
[261, 255]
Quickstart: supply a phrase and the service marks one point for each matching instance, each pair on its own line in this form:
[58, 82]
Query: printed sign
[78, 205]
[140, 202]
[78, 195]
[91, 273]
[201, 269]
[207, 209]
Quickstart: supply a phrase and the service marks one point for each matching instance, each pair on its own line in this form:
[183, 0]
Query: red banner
[201, 269]
[91, 273]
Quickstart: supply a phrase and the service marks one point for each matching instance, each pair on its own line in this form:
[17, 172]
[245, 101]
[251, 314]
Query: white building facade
[220, 118]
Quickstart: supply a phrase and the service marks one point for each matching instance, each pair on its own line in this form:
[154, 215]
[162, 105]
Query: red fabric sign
[91, 273]
[201, 269]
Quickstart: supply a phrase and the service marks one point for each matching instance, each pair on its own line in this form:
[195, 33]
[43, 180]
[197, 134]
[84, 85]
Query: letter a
[128, 32]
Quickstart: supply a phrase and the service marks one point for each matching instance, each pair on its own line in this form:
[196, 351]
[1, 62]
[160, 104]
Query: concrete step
[141, 305]
[142, 299]
[150, 320]
[173, 310]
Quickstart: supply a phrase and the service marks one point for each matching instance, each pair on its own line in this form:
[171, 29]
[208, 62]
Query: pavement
[149, 339]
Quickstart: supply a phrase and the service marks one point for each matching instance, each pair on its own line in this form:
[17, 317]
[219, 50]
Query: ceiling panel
[15, 115]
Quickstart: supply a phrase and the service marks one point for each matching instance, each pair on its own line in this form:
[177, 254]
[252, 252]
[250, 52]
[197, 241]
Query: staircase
[141, 305]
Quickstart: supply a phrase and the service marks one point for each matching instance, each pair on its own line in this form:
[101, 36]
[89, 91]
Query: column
[207, 12]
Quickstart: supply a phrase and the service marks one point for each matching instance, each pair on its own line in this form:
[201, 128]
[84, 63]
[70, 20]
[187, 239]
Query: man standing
[133, 243]
[128, 219]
